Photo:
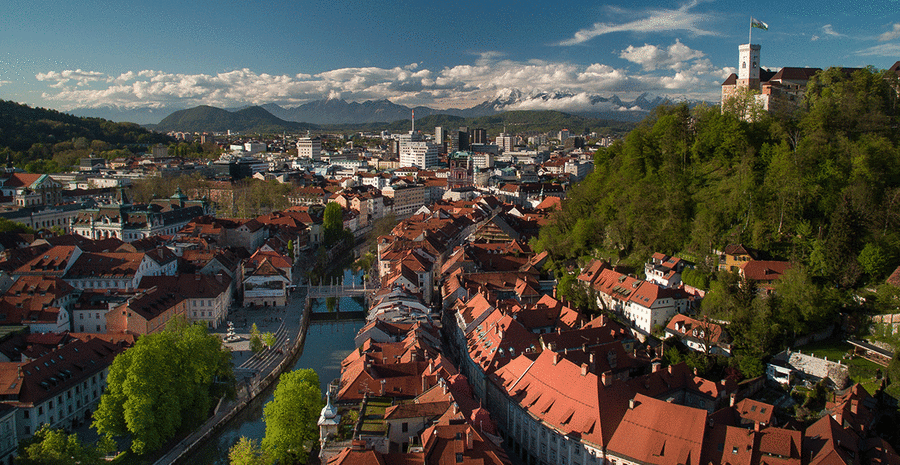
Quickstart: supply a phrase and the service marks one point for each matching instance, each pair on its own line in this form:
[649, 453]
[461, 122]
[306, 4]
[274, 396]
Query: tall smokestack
[413, 122]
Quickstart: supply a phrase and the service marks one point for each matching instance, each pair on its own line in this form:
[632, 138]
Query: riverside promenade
[253, 372]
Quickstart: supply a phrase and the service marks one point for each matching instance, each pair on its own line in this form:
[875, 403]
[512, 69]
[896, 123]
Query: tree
[268, 338]
[873, 260]
[53, 446]
[7, 225]
[248, 452]
[291, 416]
[290, 249]
[166, 382]
[744, 104]
[256, 342]
[333, 223]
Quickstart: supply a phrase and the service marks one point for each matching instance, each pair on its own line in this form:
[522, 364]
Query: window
[40, 410]
[404, 427]
[459, 457]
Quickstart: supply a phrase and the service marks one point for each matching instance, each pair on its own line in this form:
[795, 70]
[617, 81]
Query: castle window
[744, 64]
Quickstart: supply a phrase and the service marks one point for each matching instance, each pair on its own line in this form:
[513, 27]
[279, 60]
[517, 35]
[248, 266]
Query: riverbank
[254, 372]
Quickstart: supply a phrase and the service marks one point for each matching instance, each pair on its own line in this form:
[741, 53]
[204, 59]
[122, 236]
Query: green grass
[831, 349]
[373, 421]
[862, 371]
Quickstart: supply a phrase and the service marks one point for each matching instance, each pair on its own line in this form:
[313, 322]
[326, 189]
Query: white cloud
[829, 30]
[882, 50]
[80, 77]
[673, 68]
[814, 38]
[891, 35]
[651, 57]
[653, 20]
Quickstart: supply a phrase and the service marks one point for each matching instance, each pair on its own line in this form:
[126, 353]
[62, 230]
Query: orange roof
[764, 270]
[659, 432]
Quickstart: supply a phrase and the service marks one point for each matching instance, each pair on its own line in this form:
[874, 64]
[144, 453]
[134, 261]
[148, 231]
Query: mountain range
[339, 111]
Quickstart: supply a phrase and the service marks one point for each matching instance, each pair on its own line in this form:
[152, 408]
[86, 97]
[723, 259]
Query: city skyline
[169, 55]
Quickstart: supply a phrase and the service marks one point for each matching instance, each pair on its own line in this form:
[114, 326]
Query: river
[326, 345]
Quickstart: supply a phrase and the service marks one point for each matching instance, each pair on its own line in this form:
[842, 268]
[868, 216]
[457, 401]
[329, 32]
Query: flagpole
[750, 38]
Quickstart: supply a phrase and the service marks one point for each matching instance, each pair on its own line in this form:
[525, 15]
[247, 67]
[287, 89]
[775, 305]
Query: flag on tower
[758, 24]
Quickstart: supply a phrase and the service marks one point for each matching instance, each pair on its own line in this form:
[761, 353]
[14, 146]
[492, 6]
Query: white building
[415, 151]
[506, 142]
[254, 147]
[309, 148]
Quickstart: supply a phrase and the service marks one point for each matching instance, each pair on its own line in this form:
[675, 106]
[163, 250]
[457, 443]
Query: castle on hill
[779, 90]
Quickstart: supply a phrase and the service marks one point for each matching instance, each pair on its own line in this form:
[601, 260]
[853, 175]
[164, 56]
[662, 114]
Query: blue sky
[169, 54]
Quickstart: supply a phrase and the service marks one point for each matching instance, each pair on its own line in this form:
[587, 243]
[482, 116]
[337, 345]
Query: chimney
[606, 378]
[853, 406]
[556, 357]
[695, 371]
[584, 369]
[670, 369]
[469, 438]
[631, 404]
[656, 366]
[756, 426]
[455, 408]
[731, 400]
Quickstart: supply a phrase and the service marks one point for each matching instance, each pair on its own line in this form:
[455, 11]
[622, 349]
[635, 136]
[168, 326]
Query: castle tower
[748, 66]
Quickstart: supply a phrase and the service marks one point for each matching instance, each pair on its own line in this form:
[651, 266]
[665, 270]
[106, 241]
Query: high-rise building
[440, 137]
[478, 136]
[506, 142]
[415, 151]
[309, 148]
[459, 140]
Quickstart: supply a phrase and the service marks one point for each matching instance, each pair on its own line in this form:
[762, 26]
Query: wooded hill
[211, 119]
[514, 122]
[819, 186]
[38, 135]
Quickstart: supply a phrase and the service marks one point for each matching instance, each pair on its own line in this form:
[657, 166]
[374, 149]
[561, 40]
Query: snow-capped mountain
[339, 111]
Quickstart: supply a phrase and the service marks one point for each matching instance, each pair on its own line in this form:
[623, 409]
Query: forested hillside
[42, 140]
[819, 186]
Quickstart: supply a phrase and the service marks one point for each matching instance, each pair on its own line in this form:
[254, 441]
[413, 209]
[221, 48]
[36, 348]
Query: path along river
[327, 343]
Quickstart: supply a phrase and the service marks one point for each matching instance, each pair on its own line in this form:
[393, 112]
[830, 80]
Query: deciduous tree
[163, 383]
[291, 416]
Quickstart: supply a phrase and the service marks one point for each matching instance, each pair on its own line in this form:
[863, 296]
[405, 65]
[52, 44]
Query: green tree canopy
[164, 383]
[333, 223]
[291, 416]
[55, 447]
[248, 452]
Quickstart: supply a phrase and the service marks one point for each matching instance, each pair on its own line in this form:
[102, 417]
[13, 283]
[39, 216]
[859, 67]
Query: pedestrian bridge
[337, 290]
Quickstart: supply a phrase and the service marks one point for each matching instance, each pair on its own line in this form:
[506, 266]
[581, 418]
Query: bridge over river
[339, 291]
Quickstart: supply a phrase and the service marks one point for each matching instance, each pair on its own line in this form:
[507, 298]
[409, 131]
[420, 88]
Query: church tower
[748, 70]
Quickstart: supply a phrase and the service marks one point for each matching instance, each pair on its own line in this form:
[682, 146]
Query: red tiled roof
[764, 270]
[659, 432]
